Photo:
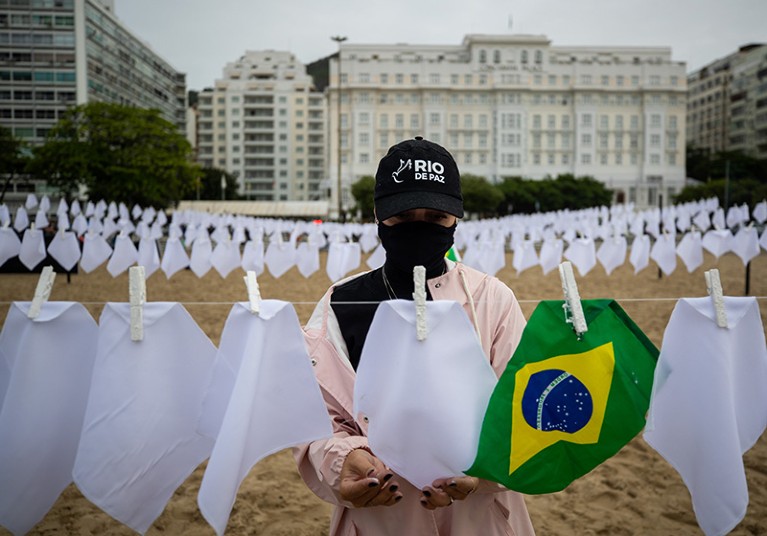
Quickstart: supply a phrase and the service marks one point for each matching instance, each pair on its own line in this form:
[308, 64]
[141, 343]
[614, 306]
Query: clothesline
[623, 300]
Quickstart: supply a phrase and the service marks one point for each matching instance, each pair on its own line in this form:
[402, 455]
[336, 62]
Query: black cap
[417, 174]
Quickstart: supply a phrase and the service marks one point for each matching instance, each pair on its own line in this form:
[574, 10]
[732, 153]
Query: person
[417, 202]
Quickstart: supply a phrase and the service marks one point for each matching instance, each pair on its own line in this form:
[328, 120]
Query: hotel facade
[514, 105]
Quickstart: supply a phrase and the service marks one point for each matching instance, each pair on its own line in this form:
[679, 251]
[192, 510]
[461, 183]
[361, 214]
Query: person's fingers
[357, 490]
[432, 498]
[458, 488]
[386, 495]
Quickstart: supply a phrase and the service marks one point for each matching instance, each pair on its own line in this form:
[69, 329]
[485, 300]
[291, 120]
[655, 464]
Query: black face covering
[416, 243]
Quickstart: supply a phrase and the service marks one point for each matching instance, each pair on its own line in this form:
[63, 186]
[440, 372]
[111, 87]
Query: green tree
[117, 153]
[210, 185]
[12, 158]
[525, 196]
[363, 191]
[748, 191]
[479, 196]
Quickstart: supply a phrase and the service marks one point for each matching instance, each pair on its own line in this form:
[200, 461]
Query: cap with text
[417, 173]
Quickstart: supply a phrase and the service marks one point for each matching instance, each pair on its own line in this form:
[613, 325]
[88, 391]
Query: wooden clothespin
[137, 291]
[419, 297]
[42, 292]
[714, 288]
[254, 296]
[572, 299]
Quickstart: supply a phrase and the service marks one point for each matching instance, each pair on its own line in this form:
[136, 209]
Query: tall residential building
[514, 105]
[59, 53]
[265, 122]
[727, 103]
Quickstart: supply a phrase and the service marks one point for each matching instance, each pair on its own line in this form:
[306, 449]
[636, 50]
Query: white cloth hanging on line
[709, 405]
[45, 375]
[139, 438]
[400, 376]
[65, 249]
[262, 398]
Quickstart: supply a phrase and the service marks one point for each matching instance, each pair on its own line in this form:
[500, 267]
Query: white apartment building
[727, 103]
[264, 122]
[514, 105]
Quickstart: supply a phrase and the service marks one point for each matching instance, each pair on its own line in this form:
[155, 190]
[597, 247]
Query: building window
[482, 56]
[585, 158]
[434, 119]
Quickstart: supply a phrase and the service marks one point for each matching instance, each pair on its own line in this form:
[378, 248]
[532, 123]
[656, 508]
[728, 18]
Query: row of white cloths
[128, 421]
[224, 257]
[709, 405]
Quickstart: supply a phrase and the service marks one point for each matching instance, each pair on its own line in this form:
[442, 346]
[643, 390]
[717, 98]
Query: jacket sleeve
[507, 328]
[319, 463]
[505, 323]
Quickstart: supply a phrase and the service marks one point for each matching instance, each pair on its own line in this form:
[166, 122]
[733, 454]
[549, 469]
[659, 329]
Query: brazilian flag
[566, 404]
[453, 254]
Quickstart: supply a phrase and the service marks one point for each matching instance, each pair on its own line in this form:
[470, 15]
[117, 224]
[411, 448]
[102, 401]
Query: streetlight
[339, 39]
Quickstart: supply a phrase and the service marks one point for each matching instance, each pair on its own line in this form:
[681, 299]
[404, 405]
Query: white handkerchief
[400, 377]
[41, 220]
[663, 252]
[612, 253]
[492, 256]
[263, 397]
[32, 251]
[174, 258]
[253, 257]
[80, 225]
[525, 256]
[708, 404]
[10, 245]
[377, 258]
[21, 221]
[690, 250]
[551, 254]
[226, 257]
[65, 249]
[96, 251]
[148, 256]
[124, 255]
[343, 257]
[307, 259]
[74, 208]
[702, 221]
[48, 362]
[582, 254]
[31, 201]
[760, 212]
[279, 258]
[763, 240]
[640, 253]
[717, 242]
[369, 241]
[5, 215]
[139, 438]
[745, 244]
[202, 250]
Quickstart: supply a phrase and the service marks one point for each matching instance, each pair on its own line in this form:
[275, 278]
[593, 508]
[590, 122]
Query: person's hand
[366, 481]
[444, 491]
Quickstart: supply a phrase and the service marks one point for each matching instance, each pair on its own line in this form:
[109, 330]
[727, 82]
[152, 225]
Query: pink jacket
[492, 509]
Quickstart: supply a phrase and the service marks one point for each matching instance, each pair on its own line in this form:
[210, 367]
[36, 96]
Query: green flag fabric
[566, 404]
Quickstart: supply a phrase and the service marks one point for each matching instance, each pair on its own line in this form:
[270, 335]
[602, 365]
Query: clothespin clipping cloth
[42, 292]
[137, 290]
[419, 297]
[254, 296]
[714, 287]
[572, 303]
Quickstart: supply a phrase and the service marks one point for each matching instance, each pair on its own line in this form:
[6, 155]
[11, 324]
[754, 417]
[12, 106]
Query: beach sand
[635, 492]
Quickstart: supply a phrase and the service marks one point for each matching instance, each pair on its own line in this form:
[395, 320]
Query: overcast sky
[199, 37]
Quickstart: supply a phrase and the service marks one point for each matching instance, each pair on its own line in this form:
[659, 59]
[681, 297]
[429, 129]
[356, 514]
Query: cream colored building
[264, 122]
[514, 105]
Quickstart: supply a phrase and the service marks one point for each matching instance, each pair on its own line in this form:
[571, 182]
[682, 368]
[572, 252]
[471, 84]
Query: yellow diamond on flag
[560, 399]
